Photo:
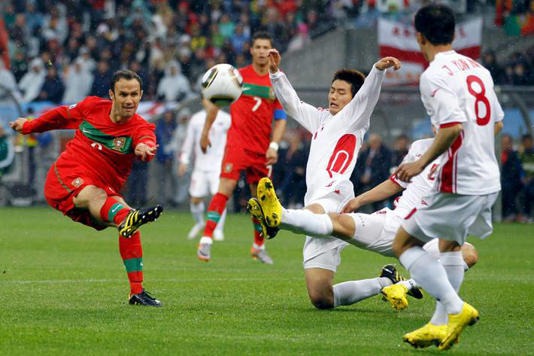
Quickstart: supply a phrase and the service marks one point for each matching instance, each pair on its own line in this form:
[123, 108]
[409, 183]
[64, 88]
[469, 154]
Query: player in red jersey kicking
[85, 181]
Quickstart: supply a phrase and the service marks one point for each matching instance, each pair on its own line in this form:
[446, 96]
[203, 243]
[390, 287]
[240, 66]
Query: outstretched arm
[57, 118]
[444, 139]
[18, 124]
[145, 151]
[384, 190]
[211, 114]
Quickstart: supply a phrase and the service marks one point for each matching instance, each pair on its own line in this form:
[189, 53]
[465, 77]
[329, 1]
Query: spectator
[101, 79]
[184, 115]
[400, 149]
[226, 26]
[489, 60]
[47, 149]
[527, 160]
[300, 40]
[7, 151]
[31, 83]
[239, 39]
[8, 84]
[165, 172]
[174, 86]
[291, 168]
[78, 82]
[372, 168]
[19, 64]
[34, 18]
[53, 87]
[511, 175]
[87, 62]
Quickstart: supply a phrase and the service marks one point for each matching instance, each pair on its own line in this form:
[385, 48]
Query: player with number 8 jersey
[458, 94]
[457, 89]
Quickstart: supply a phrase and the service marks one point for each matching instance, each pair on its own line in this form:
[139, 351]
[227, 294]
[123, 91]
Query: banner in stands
[398, 39]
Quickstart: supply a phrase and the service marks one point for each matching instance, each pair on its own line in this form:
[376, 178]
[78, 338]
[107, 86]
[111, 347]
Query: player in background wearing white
[374, 232]
[459, 96]
[206, 166]
[338, 133]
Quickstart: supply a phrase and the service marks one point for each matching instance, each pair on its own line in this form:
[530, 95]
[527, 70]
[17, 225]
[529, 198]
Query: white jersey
[421, 184]
[336, 139]
[457, 89]
[211, 160]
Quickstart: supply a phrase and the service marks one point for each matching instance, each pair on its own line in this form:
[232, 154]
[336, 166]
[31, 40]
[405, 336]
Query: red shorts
[62, 185]
[237, 159]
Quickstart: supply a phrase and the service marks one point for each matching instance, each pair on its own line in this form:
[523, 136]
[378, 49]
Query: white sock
[453, 263]
[220, 223]
[197, 210]
[430, 274]
[350, 292]
[303, 221]
[408, 283]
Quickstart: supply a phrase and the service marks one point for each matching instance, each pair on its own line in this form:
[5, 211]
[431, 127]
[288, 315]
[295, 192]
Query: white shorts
[452, 217]
[376, 232]
[204, 183]
[325, 253]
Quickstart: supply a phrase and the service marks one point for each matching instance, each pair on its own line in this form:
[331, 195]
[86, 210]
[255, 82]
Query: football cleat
[254, 209]
[270, 205]
[390, 272]
[195, 230]
[457, 323]
[415, 292]
[137, 218]
[204, 249]
[426, 336]
[261, 255]
[144, 298]
[395, 294]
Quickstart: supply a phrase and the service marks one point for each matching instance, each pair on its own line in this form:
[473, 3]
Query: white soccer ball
[222, 84]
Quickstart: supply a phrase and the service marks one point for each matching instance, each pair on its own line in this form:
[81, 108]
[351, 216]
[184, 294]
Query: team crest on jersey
[228, 167]
[77, 182]
[119, 143]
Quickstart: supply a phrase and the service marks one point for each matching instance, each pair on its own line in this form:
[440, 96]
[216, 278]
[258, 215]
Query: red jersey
[101, 149]
[253, 113]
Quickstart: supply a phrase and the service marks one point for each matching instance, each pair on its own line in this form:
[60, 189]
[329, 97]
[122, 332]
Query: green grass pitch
[63, 291]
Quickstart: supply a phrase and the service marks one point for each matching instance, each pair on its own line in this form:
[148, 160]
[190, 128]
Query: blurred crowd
[517, 69]
[61, 51]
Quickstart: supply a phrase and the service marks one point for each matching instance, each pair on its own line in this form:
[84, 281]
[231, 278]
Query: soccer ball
[222, 84]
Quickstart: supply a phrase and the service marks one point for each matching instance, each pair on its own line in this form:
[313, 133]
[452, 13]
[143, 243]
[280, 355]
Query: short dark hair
[353, 77]
[261, 35]
[436, 23]
[125, 74]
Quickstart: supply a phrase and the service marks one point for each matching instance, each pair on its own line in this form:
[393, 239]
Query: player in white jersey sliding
[374, 232]
[459, 96]
[338, 133]
[206, 166]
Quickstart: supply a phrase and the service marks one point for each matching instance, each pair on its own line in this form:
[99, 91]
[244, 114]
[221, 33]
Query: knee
[322, 300]
[469, 254]
[322, 303]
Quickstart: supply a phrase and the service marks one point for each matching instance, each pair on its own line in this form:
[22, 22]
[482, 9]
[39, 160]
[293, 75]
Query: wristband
[274, 145]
